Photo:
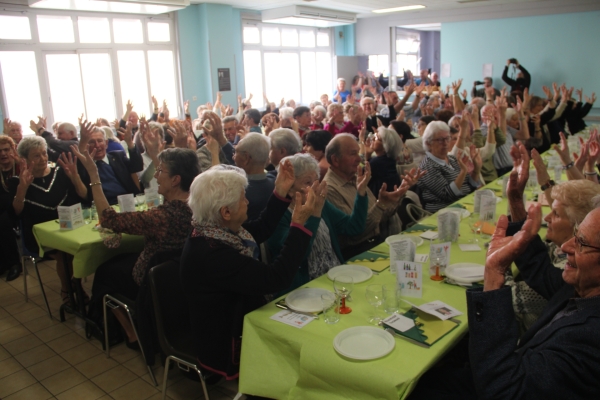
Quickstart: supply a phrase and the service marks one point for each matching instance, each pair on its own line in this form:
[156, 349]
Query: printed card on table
[291, 318]
[409, 277]
[477, 198]
[448, 225]
[70, 218]
[401, 250]
[126, 202]
[152, 199]
[439, 257]
[487, 209]
[437, 308]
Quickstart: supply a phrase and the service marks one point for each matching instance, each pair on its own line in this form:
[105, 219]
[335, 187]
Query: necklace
[44, 181]
[4, 186]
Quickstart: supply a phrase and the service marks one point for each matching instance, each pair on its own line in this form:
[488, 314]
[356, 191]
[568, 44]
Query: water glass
[374, 295]
[391, 298]
[140, 201]
[93, 214]
[331, 308]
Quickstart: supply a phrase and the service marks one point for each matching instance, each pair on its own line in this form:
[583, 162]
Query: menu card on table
[126, 202]
[152, 199]
[487, 208]
[291, 318]
[409, 277]
[448, 225]
[401, 250]
[437, 308]
[477, 198]
[70, 218]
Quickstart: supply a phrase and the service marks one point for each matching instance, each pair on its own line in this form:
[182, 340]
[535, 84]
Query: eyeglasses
[160, 170]
[442, 140]
[580, 244]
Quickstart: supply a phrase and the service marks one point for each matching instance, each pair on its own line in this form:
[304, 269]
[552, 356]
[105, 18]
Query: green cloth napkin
[420, 228]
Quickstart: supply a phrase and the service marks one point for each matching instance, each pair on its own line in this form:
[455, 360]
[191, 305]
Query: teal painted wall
[210, 38]
[561, 48]
[345, 45]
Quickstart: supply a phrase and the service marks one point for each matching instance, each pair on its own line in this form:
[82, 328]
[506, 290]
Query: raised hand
[563, 150]
[128, 134]
[216, 127]
[285, 178]
[152, 141]
[69, 164]
[591, 100]
[412, 177]
[128, 107]
[301, 211]
[85, 132]
[517, 181]
[186, 107]
[579, 93]
[540, 168]
[362, 178]
[25, 176]
[86, 159]
[546, 90]
[38, 127]
[154, 103]
[320, 190]
[7, 122]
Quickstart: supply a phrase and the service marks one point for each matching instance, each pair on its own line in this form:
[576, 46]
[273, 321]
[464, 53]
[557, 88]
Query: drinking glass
[93, 213]
[391, 298]
[473, 222]
[140, 200]
[374, 295]
[436, 263]
[331, 308]
[343, 286]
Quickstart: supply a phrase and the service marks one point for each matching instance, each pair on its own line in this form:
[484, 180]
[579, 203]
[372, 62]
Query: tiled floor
[46, 359]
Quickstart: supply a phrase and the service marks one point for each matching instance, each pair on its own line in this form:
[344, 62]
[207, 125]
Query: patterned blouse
[164, 228]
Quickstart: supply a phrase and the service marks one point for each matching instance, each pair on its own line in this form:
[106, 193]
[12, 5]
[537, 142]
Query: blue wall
[210, 37]
[561, 48]
[345, 45]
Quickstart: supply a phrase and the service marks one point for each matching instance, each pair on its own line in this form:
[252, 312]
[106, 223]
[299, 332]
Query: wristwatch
[548, 185]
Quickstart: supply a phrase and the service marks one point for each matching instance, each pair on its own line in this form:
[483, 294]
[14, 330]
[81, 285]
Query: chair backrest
[170, 304]
[25, 250]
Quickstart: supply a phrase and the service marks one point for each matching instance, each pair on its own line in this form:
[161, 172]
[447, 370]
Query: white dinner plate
[364, 343]
[465, 272]
[306, 300]
[418, 240]
[357, 272]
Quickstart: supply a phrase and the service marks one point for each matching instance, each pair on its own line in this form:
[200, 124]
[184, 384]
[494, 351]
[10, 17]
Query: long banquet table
[282, 362]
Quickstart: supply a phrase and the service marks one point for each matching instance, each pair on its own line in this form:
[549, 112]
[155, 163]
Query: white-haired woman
[387, 147]
[40, 189]
[447, 179]
[221, 275]
[326, 222]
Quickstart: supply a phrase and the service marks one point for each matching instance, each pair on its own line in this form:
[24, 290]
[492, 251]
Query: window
[379, 64]
[287, 62]
[407, 51]
[77, 62]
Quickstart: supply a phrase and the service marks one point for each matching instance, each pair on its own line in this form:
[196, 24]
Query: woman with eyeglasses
[448, 179]
[387, 148]
[571, 202]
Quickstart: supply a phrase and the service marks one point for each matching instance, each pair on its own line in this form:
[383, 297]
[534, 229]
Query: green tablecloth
[84, 244]
[282, 362]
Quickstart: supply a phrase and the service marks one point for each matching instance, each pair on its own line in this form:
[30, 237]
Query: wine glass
[343, 286]
[374, 295]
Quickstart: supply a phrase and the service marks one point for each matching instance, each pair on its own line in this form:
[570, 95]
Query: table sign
[152, 199]
[439, 255]
[477, 198]
[409, 277]
[437, 308]
[126, 202]
[293, 319]
[399, 322]
[487, 208]
[448, 225]
[421, 258]
[401, 250]
[70, 217]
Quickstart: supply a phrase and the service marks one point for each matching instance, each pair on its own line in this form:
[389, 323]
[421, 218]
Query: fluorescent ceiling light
[133, 7]
[307, 16]
[395, 9]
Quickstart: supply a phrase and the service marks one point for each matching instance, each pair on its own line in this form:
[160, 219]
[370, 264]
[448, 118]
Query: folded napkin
[420, 228]
[375, 261]
[428, 329]
[457, 205]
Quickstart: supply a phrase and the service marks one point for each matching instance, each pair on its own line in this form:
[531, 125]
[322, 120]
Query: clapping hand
[37, 127]
[540, 168]
[320, 190]
[151, 140]
[285, 178]
[362, 178]
[563, 150]
[301, 211]
[412, 177]
[517, 181]
[86, 159]
[25, 176]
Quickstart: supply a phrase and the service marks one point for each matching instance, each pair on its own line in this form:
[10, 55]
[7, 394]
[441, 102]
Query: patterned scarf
[242, 241]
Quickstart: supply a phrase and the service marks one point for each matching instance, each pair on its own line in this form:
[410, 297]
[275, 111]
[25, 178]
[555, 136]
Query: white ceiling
[364, 8]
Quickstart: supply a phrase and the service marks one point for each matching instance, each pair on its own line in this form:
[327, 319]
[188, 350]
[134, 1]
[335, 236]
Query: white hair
[286, 113]
[213, 189]
[392, 144]
[29, 143]
[68, 127]
[284, 138]
[257, 146]
[510, 112]
[108, 132]
[432, 128]
[303, 163]
[321, 109]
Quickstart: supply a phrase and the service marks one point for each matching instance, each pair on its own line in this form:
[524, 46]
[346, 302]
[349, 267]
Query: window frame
[289, 49]
[405, 34]
[41, 49]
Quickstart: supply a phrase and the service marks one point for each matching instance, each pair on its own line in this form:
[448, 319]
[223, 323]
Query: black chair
[173, 321]
[33, 257]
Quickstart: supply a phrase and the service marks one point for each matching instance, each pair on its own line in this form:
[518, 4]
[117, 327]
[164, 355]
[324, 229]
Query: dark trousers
[9, 249]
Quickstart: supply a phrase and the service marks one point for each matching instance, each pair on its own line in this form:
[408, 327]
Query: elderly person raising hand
[326, 222]
[448, 178]
[220, 272]
[165, 228]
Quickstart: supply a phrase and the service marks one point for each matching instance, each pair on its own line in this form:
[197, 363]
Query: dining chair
[173, 321]
[26, 254]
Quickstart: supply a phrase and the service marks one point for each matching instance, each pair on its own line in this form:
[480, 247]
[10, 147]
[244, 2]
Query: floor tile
[38, 324]
[66, 342]
[35, 355]
[174, 376]
[49, 367]
[10, 296]
[137, 365]
[36, 391]
[84, 391]
[9, 366]
[96, 365]
[121, 353]
[8, 322]
[4, 354]
[137, 388]
[185, 389]
[114, 378]
[52, 332]
[13, 383]
[20, 306]
[80, 353]
[3, 312]
[23, 344]
[63, 381]
[11, 334]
